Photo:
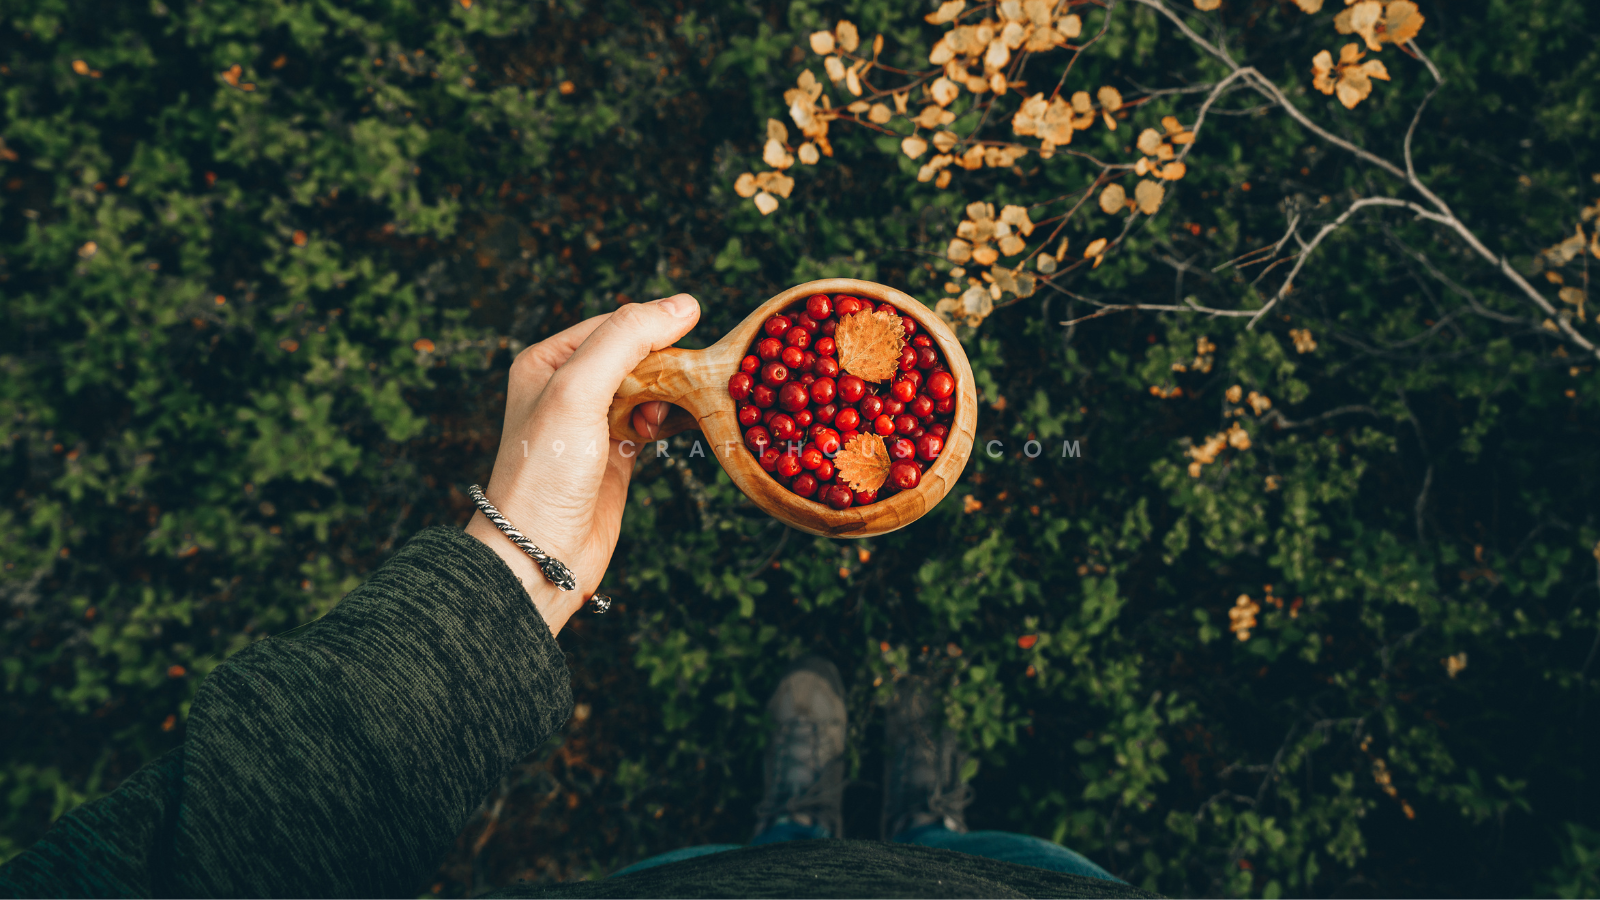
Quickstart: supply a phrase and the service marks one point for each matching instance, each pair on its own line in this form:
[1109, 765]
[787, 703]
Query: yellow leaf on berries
[869, 344]
[1149, 195]
[863, 462]
[1112, 198]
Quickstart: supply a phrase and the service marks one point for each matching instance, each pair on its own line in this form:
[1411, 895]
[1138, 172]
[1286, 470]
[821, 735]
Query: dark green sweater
[341, 760]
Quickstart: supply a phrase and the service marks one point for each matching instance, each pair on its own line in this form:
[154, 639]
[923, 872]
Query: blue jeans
[1002, 845]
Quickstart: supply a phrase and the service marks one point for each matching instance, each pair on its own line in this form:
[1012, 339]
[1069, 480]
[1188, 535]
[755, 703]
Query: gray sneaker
[804, 767]
[921, 779]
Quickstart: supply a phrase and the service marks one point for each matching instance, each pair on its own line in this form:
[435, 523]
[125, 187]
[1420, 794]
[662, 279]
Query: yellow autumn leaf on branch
[822, 42]
[1350, 79]
[1149, 195]
[1112, 199]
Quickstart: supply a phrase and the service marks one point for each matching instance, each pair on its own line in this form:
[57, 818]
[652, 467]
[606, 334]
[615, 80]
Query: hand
[559, 477]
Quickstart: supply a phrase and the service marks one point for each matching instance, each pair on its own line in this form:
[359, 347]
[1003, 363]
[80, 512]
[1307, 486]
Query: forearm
[343, 759]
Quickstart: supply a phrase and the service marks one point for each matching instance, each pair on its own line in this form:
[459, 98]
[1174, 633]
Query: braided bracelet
[553, 568]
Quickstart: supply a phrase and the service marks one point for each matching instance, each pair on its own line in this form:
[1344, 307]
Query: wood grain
[696, 381]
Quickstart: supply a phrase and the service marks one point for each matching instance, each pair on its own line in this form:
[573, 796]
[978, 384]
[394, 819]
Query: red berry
[905, 475]
[793, 397]
[914, 376]
[781, 427]
[750, 364]
[910, 325]
[901, 448]
[922, 340]
[763, 396]
[749, 414]
[769, 459]
[839, 497]
[846, 306]
[798, 337]
[908, 359]
[917, 432]
[776, 326]
[883, 425]
[828, 327]
[819, 307]
[807, 379]
[824, 472]
[929, 446]
[939, 430]
[806, 322]
[789, 465]
[826, 367]
[809, 361]
[905, 423]
[871, 406]
[926, 358]
[893, 407]
[851, 388]
[888, 308]
[739, 386]
[921, 406]
[828, 441]
[811, 457]
[865, 497]
[774, 373]
[847, 420]
[826, 413]
[758, 438]
[804, 485]
[825, 346]
[766, 415]
[823, 391]
[793, 357]
[941, 385]
[944, 406]
[903, 391]
[769, 348]
[802, 418]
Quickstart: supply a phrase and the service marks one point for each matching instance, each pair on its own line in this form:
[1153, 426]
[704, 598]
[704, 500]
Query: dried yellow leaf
[1017, 217]
[930, 115]
[997, 83]
[942, 52]
[1207, 5]
[1081, 102]
[1112, 198]
[1150, 140]
[777, 131]
[1303, 341]
[1173, 171]
[877, 46]
[1095, 248]
[1148, 194]
[947, 12]
[852, 82]
[1234, 394]
[1309, 7]
[822, 42]
[997, 56]
[775, 156]
[1364, 19]
[913, 146]
[944, 140]
[846, 36]
[1258, 402]
[944, 91]
[1011, 245]
[808, 153]
[900, 101]
[745, 186]
[958, 252]
[1401, 22]
[859, 107]
[879, 114]
[863, 462]
[985, 256]
[834, 66]
[1070, 26]
[869, 344]
[943, 181]
[780, 184]
[766, 203]
[1110, 98]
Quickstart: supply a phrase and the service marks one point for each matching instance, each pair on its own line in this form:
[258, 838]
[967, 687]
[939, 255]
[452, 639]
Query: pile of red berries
[798, 408]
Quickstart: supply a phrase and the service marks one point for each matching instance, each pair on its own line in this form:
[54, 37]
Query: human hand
[558, 476]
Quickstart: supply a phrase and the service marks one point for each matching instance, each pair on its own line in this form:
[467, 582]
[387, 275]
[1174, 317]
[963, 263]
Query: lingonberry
[774, 373]
[945, 406]
[806, 322]
[793, 397]
[804, 485]
[769, 348]
[851, 388]
[871, 406]
[769, 459]
[811, 457]
[826, 413]
[819, 307]
[758, 438]
[828, 327]
[916, 432]
[806, 379]
[808, 360]
[763, 396]
[893, 407]
[824, 472]
[904, 475]
[903, 391]
[941, 385]
[929, 446]
[789, 465]
[798, 337]
[883, 425]
[939, 430]
[865, 497]
[827, 441]
[846, 306]
[908, 359]
[914, 376]
[750, 364]
[847, 419]
[921, 406]
[888, 308]
[905, 423]
[782, 427]
[802, 418]
[926, 358]
[823, 391]
[793, 357]
[749, 414]
[922, 340]
[825, 346]
[910, 324]
[826, 367]
[776, 325]
[840, 497]
[739, 386]
[901, 448]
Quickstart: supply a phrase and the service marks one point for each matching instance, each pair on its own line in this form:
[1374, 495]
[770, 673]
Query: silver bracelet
[553, 568]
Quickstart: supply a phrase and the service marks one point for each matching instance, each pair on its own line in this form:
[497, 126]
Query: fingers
[584, 386]
[534, 366]
[647, 418]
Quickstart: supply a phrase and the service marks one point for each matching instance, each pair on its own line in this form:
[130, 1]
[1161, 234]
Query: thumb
[588, 381]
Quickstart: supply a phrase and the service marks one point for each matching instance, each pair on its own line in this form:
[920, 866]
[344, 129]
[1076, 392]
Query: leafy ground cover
[265, 264]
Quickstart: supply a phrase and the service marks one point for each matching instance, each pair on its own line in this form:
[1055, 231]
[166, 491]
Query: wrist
[554, 605]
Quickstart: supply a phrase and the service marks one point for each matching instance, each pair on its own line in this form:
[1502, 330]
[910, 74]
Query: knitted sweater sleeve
[337, 760]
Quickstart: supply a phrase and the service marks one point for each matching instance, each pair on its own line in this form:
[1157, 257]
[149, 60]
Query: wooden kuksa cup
[696, 381]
